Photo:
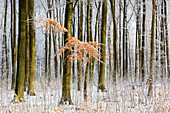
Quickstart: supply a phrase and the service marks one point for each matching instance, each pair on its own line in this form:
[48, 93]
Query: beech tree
[88, 40]
[27, 54]
[32, 48]
[143, 41]
[115, 58]
[66, 94]
[101, 82]
[150, 91]
[166, 36]
[124, 66]
[5, 43]
[19, 90]
[14, 48]
[80, 35]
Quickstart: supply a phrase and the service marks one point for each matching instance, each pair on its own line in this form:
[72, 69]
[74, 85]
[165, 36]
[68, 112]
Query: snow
[120, 98]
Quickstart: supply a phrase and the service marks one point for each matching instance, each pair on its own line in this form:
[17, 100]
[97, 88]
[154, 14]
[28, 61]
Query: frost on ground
[122, 98]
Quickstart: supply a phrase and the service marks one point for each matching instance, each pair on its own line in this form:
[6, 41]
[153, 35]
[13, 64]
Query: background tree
[143, 41]
[96, 29]
[101, 81]
[120, 35]
[14, 50]
[115, 58]
[124, 38]
[5, 42]
[80, 35]
[55, 37]
[166, 36]
[138, 39]
[150, 91]
[49, 45]
[88, 40]
[162, 39]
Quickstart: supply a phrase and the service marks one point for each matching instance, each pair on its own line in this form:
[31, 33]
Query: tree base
[102, 88]
[17, 100]
[31, 93]
[66, 101]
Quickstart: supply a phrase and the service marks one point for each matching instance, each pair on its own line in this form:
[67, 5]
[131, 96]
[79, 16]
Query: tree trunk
[55, 59]
[166, 35]
[139, 34]
[91, 39]
[143, 42]
[96, 27]
[46, 54]
[32, 48]
[73, 34]
[150, 91]
[66, 94]
[124, 38]
[112, 2]
[54, 42]
[14, 51]
[2, 67]
[157, 39]
[138, 37]
[101, 81]
[88, 40]
[136, 54]
[120, 24]
[80, 38]
[109, 50]
[6, 48]
[162, 55]
[49, 57]
[19, 90]
[138, 40]
[27, 54]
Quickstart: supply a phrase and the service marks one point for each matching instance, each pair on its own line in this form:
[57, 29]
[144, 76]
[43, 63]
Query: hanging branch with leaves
[77, 48]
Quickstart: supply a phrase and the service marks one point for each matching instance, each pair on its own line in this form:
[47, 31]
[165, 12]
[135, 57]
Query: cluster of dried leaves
[49, 24]
[81, 51]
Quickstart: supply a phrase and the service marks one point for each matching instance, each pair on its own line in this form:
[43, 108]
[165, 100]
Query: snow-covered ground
[122, 98]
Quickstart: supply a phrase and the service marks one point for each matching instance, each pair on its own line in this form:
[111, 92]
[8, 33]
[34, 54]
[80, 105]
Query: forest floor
[120, 98]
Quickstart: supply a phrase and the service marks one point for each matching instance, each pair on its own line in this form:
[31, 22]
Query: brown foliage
[49, 24]
[78, 49]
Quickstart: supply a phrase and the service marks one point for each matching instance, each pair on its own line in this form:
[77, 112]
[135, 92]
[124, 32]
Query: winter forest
[84, 56]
